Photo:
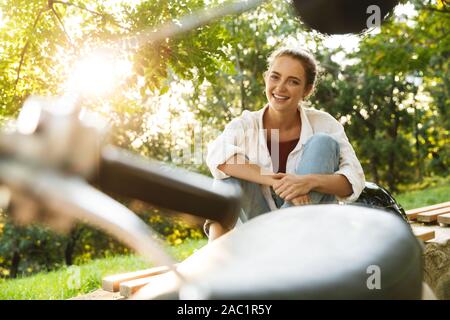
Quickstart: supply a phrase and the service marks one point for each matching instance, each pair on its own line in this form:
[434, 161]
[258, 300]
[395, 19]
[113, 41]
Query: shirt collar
[307, 130]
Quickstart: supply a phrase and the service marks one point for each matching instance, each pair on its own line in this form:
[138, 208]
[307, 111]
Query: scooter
[55, 157]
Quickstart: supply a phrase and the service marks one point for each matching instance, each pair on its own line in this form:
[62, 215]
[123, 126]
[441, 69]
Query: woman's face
[285, 83]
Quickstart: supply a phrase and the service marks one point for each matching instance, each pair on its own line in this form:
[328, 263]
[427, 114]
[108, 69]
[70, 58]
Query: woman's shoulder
[247, 119]
[321, 120]
[318, 115]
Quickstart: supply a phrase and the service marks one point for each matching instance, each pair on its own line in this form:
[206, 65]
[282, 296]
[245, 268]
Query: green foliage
[27, 250]
[175, 231]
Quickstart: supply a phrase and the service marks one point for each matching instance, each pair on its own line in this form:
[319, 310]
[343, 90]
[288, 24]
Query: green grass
[435, 192]
[72, 281]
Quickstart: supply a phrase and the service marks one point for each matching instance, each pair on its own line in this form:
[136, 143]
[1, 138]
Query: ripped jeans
[320, 156]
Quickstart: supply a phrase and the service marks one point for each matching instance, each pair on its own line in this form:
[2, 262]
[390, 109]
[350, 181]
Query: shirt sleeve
[229, 143]
[349, 165]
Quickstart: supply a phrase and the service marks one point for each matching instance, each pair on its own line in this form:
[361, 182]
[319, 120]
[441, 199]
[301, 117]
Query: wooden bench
[429, 214]
[432, 216]
[444, 219]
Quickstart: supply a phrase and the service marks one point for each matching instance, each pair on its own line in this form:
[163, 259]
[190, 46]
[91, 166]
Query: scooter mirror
[343, 16]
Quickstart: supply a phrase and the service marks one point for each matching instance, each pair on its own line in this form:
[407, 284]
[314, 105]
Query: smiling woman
[285, 154]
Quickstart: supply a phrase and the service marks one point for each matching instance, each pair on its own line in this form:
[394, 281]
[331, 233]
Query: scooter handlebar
[130, 175]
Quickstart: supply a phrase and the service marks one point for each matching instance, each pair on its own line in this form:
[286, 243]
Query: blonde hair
[307, 60]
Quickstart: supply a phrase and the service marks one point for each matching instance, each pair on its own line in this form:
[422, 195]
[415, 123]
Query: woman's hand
[292, 187]
[301, 200]
[216, 231]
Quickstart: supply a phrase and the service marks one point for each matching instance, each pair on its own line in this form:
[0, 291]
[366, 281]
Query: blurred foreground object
[325, 16]
[343, 16]
[57, 148]
[303, 252]
[376, 196]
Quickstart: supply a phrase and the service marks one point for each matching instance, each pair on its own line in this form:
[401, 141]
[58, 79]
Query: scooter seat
[309, 252]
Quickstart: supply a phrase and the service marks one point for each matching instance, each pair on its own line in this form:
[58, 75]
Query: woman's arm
[335, 184]
[239, 167]
[349, 166]
[291, 186]
[216, 231]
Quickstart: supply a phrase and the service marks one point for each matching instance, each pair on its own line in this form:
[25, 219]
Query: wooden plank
[424, 235]
[431, 216]
[428, 208]
[427, 293]
[166, 284]
[444, 218]
[129, 287]
[411, 216]
[112, 283]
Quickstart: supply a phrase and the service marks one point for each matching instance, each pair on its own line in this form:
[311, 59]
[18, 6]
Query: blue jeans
[320, 156]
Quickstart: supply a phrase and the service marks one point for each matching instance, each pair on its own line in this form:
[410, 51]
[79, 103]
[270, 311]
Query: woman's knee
[232, 181]
[321, 155]
[323, 143]
[244, 185]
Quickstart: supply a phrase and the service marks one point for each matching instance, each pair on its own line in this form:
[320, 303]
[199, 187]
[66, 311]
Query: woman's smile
[279, 97]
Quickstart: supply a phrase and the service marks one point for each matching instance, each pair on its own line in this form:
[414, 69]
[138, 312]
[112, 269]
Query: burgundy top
[284, 149]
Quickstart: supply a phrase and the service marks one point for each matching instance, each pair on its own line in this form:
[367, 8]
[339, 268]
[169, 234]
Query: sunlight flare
[99, 74]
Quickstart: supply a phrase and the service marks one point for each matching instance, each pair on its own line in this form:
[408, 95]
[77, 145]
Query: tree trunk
[419, 171]
[374, 156]
[71, 243]
[393, 131]
[14, 270]
[374, 169]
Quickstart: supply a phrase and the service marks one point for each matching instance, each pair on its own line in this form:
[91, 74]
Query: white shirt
[245, 135]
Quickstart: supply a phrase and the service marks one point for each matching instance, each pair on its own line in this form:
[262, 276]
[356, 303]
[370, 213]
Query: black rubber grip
[130, 175]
